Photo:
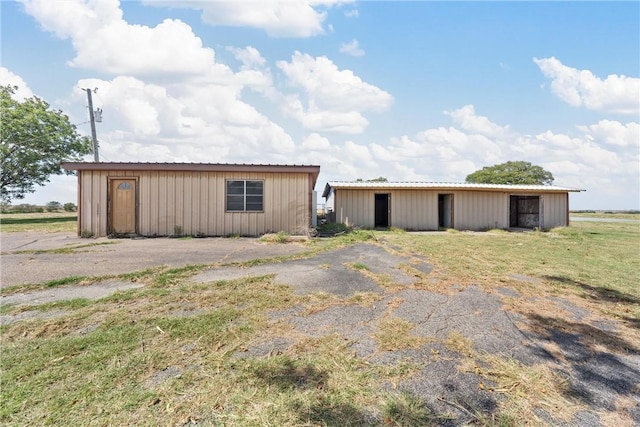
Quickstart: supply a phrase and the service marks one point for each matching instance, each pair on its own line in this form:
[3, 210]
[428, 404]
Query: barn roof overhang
[443, 186]
[312, 170]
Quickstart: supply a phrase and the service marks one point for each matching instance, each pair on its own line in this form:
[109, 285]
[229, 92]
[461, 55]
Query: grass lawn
[634, 216]
[177, 353]
[49, 222]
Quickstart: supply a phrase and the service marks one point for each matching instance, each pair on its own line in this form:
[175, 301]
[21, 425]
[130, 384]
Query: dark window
[245, 196]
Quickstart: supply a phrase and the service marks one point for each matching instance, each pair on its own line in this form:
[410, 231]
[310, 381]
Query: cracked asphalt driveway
[601, 369]
[30, 257]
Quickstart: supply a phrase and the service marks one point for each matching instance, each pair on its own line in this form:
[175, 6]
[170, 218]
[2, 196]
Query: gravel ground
[600, 376]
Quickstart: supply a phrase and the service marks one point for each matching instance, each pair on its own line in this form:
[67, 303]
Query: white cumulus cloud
[279, 18]
[9, 78]
[352, 48]
[614, 133]
[581, 88]
[104, 41]
[335, 99]
[468, 120]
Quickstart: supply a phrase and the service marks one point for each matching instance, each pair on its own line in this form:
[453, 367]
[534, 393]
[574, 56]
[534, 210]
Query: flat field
[49, 222]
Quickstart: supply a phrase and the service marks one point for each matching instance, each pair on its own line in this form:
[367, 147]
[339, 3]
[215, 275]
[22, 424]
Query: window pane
[254, 203]
[235, 203]
[254, 187]
[245, 196]
[254, 208]
[235, 187]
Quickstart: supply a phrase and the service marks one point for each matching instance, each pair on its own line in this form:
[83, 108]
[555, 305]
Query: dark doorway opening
[445, 210]
[524, 211]
[381, 218]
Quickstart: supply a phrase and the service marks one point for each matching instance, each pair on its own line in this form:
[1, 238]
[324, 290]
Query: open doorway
[445, 210]
[524, 211]
[381, 218]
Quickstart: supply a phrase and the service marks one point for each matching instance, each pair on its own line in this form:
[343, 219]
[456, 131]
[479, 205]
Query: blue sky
[413, 91]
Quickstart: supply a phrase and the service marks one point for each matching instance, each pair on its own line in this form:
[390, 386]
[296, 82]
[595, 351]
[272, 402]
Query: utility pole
[96, 157]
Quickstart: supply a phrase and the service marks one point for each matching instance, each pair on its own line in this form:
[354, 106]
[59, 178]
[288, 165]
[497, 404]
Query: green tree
[512, 173]
[70, 207]
[34, 140]
[53, 206]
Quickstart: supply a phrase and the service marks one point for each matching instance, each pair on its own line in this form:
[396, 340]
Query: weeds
[395, 333]
[405, 409]
[279, 237]
[181, 353]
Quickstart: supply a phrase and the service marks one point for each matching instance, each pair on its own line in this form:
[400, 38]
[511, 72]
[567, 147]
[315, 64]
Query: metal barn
[433, 205]
[169, 199]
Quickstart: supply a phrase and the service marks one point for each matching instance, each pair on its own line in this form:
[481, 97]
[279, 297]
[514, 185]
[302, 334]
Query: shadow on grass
[597, 364]
[52, 220]
[289, 374]
[597, 292]
[320, 404]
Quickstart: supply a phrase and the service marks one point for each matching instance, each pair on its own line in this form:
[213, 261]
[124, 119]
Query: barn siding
[555, 208]
[478, 210]
[417, 209]
[194, 203]
[410, 209]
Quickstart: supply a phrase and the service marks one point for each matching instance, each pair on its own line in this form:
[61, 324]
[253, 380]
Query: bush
[25, 208]
[70, 207]
[87, 234]
[53, 206]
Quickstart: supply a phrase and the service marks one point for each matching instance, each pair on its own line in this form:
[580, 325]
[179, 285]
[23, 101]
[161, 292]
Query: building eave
[443, 186]
[312, 170]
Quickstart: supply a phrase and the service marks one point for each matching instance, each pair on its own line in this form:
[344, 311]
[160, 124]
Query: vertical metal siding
[555, 210]
[410, 209]
[194, 202]
[414, 209]
[418, 209]
[478, 210]
[93, 205]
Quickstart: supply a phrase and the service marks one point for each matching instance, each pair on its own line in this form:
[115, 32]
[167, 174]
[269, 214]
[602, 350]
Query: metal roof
[374, 185]
[313, 170]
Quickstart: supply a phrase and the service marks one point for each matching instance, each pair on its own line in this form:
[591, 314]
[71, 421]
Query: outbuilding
[198, 199]
[435, 205]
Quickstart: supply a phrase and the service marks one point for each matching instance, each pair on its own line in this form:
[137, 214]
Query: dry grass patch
[621, 417]
[457, 342]
[394, 333]
[527, 388]
[364, 299]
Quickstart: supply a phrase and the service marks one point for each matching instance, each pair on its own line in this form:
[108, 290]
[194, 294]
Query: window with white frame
[245, 196]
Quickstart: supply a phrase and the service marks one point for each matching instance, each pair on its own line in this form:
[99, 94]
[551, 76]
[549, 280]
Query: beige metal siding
[410, 209]
[171, 202]
[555, 210]
[418, 209]
[479, 210]
[92, 207]
[414, 209]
